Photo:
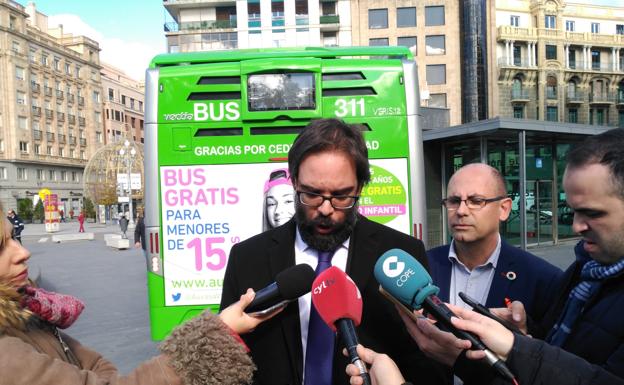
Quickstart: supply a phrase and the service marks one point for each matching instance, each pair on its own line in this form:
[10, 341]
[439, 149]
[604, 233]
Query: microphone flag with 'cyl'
[338, 301]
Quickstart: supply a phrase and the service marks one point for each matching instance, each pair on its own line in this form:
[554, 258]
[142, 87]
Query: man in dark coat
[18, 225]
[329, 167]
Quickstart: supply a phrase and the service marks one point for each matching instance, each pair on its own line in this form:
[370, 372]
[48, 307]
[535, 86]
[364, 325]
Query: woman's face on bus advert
[280, 204]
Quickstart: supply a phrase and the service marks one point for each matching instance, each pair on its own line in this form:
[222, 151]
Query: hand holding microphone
[402, 277]
[339, 304]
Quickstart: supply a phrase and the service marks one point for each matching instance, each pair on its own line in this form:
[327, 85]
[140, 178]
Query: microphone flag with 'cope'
[396, 272]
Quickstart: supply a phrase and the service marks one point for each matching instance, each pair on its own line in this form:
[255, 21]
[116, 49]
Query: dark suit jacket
[276, 344]
[535, 284]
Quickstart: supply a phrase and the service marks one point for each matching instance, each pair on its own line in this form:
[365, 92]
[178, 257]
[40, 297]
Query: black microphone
[406, 280]
[289, 285]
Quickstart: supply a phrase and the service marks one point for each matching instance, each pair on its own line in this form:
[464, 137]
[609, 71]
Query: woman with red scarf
[33, 350]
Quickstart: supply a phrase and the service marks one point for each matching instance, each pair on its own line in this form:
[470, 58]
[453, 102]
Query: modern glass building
[531, 156]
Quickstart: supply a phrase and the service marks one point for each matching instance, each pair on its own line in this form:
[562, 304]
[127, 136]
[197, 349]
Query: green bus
[218, 129]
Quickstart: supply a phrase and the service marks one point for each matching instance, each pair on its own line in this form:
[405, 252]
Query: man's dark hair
[330, 135]
[606, 149]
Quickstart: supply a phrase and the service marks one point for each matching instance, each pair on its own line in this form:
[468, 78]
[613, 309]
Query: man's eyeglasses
[472, 202]
[315, 200]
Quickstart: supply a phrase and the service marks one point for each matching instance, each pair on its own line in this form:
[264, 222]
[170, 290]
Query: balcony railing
[551, 94]
[81, 121]
[329, 19]
[575, 97]
[517, 95]
[603, 98]
[35, 87]
[71, 118]
[508, 32]
[49, 113]
[72, 139]
[37, 134]
[70, 98]
[50, 137]
[83, 142]
[199, 25]
[513, 62]
[47, 91]
[60, 94]
[61, 138]
[36, 111]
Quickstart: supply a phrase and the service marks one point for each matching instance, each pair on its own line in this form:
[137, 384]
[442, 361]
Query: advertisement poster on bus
[202, 206]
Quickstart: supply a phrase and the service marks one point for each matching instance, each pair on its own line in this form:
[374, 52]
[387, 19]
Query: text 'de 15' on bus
[218, 129]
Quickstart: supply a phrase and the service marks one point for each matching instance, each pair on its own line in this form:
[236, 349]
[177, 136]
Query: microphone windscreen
[336, 296]
[295, 281]
[403, 277]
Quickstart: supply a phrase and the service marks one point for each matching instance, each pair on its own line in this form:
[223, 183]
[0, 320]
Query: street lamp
[129, 155]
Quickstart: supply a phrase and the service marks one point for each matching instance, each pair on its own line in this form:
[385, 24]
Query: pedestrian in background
[123, 225]
[139, 233]
[62, 214]
[18, 225]
[81, 219]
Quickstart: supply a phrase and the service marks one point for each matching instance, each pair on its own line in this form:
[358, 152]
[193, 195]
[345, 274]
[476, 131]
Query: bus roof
[268, 53]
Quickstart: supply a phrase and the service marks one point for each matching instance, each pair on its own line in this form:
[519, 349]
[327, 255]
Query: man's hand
[514, 313]
[442, 346]
[382, 371]
[494, 335]
[235, 317]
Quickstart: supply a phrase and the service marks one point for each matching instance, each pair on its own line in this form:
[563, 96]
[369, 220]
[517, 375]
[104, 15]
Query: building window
[21, 97]
[409, 42]
[573, 115]
[619, 29]
[551, 52]
[64, 176]
[19, 73]
[22, 174]
[600, 116]
[77, 72]
[72, 153]
[517, 55]
[551, 114]
[49, 150]
[570, 25]
[52, 175]
[514, 21]
[62, 151]
[3, 173]
[518, 112]
[57, 63]
[434, 15]
[371, 42]
[378, 18]
[435, 45]
[98, 137]
[111, 94]
[40, 174]
[74, 176]
[550, 21]
[1, 145]
[16, 46]
[595, 57]
[572, 58]
[437, 100]
[23, 146]
[12, 22]
[96, 97]
[595, 27]
[38, 149]
[82, 155]
[621, 118]
[123, 99]
[436, 74]
[44, 59]
[406, 17]
[22, 123]
[551, 87]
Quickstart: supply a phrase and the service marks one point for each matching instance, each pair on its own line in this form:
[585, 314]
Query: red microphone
[339, 303]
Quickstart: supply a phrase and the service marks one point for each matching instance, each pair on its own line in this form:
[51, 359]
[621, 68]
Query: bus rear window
[287, 91]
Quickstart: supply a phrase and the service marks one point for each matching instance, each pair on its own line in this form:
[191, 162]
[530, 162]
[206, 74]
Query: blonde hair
[3, 224]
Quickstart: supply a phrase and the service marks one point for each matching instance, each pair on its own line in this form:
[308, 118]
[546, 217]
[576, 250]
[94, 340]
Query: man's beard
[325, 242]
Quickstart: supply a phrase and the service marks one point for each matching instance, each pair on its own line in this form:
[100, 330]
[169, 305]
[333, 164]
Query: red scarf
[58, 309]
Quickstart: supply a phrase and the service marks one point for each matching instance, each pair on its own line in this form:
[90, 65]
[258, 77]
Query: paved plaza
[112, 283]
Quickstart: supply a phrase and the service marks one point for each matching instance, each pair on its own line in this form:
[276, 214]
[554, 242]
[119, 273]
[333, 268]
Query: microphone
[339, 304]
[289, 284]
[404, 278]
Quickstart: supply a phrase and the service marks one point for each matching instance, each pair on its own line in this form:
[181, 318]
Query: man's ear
[505, 209]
